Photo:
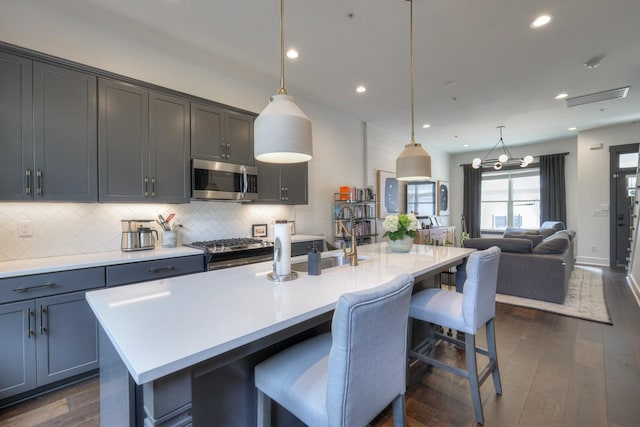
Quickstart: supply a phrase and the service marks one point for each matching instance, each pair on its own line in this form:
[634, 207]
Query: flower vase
[401, 245]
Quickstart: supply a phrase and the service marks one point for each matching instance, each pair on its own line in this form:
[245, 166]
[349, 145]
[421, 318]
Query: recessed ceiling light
[540, 21]
[562, 95]
[426, 126]
[572, 128]
[465, 145]
[292, 54]
[361, 89]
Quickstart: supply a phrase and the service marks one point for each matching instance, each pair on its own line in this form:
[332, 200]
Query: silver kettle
[147, 240]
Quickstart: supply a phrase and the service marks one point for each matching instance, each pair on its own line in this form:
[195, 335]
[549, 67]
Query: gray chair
[348, 376]
[465, 312]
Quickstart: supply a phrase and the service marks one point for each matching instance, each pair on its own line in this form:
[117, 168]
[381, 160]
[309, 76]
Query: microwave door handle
[244, 176]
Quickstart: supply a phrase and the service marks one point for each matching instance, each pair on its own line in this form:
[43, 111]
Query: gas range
[225, 253]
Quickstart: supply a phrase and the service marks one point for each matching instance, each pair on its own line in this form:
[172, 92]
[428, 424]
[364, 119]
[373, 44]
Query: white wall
[593, 188]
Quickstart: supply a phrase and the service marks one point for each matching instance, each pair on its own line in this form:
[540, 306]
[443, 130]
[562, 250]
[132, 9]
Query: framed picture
[444, 198]
[387, 193]
[259, 230]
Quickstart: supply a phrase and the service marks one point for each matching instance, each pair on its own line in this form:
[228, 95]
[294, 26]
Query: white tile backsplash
[80, 228]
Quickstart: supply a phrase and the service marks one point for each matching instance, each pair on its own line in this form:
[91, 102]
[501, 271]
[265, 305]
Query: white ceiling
[504, 73]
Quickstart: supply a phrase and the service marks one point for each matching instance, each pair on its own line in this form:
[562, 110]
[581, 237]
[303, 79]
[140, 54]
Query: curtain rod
[563, 154]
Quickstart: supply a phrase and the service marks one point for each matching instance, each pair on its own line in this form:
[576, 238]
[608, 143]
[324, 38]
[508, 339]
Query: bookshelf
[364, 204]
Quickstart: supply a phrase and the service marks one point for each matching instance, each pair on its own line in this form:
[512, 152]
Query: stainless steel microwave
[223, 181]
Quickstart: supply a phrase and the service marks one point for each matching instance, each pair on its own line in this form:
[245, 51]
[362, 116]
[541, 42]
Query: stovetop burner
[230, 245]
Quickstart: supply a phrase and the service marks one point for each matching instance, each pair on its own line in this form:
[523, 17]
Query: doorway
[623, 167]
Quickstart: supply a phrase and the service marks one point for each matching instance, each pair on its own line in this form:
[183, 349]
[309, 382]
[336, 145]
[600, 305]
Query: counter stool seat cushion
[439, 307]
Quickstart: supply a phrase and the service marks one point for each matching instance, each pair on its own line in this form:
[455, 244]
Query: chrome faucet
[352, 254]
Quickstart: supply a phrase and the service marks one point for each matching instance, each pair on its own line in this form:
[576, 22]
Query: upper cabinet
[48, 129]
[221, 135]
[144, 144]
[284, 184]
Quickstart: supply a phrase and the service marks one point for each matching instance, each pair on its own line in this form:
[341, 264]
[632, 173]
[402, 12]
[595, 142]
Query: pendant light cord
[282, 90]
[413, 139]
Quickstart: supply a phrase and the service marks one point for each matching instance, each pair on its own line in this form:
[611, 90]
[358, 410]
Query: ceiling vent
[598, 96]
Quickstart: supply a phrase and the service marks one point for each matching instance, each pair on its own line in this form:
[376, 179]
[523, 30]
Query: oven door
[223, 181]
[228, 262]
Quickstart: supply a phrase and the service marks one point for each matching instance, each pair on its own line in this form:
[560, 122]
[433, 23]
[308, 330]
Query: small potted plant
[401, 231]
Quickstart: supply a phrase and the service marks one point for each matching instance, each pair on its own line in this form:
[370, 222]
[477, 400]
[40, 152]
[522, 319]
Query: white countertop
[299, 238]
[72, 262]
[164, 326]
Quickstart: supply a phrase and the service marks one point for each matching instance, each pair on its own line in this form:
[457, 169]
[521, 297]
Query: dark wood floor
[556, 371]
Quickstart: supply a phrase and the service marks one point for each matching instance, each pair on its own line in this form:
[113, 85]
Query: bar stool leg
[493, 355]
[472, 375]
[264, 410]
[398, 407]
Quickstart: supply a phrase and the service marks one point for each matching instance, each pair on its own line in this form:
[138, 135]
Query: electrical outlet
[25, 228]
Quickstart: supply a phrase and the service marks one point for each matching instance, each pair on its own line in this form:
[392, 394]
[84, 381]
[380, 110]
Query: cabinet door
[17, 348]
[207, 132]
[294, 182]
[169, 148]
[123, 142]
[15, 128]
[65, 124]
[239, 138]
[66, 337]
[268, 183]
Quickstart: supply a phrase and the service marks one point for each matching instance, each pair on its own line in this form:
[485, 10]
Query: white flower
[413, 222]
[390, 223]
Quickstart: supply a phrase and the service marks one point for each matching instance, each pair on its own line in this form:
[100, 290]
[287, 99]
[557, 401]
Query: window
[421, 198]
[510, 198]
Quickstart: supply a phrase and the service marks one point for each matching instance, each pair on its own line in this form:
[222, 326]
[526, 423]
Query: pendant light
[282, 132]
[413, 164]
[505, 159]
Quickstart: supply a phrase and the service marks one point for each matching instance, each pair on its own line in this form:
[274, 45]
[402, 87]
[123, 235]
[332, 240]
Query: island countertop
[163, 326]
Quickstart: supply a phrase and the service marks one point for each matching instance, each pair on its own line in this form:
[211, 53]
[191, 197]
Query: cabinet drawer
[41, 285]
[152, 270]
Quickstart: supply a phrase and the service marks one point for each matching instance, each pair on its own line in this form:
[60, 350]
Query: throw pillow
[569, 233]
[536, 239]
[546, 232]
[556, 245]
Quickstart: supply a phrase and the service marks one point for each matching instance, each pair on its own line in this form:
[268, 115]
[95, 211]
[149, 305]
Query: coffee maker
[137, 235]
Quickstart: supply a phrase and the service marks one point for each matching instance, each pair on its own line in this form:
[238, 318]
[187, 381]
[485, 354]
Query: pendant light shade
[282, 132]
[413, 164]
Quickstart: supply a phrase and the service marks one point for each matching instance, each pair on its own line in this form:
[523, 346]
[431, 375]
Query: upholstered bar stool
[348, 376]
[465, 312]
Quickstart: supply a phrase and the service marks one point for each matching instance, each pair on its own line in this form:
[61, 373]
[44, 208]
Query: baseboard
[602, 262]
[635, 288]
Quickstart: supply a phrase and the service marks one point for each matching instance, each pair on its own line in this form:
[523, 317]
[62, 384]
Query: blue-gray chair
[465, 312]
[348, 376]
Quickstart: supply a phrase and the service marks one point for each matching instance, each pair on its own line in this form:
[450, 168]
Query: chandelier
[504, 159]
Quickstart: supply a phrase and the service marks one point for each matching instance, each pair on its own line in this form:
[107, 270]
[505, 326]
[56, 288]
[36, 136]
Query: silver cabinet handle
[223, 149]
[228, 150]
[153, 186]
[146, 186]
[39, 175]
[161, 269]
[28, 288]
[43, 329]
[29, 314]
[29, 182]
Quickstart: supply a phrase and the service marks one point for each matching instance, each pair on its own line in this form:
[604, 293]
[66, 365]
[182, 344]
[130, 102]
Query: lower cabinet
[45, 340]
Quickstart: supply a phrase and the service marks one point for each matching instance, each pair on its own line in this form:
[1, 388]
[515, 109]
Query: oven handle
[238, 262]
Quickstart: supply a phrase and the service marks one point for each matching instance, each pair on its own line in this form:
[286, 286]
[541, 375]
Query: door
[123, 142]
[294, 181]
[169, 148]
[240, 139]
[66, 134]
[16, 162]
[207, 133]
[66, 337]
[624, 163]
[268, 182]
[17, 348]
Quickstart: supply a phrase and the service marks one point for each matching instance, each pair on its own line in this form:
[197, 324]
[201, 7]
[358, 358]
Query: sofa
[534, 264]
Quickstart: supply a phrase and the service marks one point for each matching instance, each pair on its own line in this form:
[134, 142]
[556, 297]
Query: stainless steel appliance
[223, 181]
[137, 235]
[227, 253]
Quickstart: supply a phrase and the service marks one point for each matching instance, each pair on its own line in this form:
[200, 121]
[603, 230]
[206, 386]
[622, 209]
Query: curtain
[472, 199]
[553, 196]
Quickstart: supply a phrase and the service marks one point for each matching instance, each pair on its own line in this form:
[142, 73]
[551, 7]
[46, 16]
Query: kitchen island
[192, 341]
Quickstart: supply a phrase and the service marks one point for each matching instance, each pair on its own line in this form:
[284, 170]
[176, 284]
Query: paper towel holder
[273, 276]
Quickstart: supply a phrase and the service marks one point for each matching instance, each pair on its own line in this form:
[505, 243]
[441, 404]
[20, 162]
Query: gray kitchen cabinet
[47, 330]
[221, 135]
[283, 183]
[136, 272]
[48, 124]
[18, 349]
[143, 145]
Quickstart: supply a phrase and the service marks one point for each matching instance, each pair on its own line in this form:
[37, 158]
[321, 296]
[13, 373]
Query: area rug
[585, 297]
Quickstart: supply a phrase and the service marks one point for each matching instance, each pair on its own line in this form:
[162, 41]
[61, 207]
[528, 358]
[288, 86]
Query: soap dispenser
[314, 261]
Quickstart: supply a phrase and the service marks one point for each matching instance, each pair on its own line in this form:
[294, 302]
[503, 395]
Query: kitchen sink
[327, 262]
